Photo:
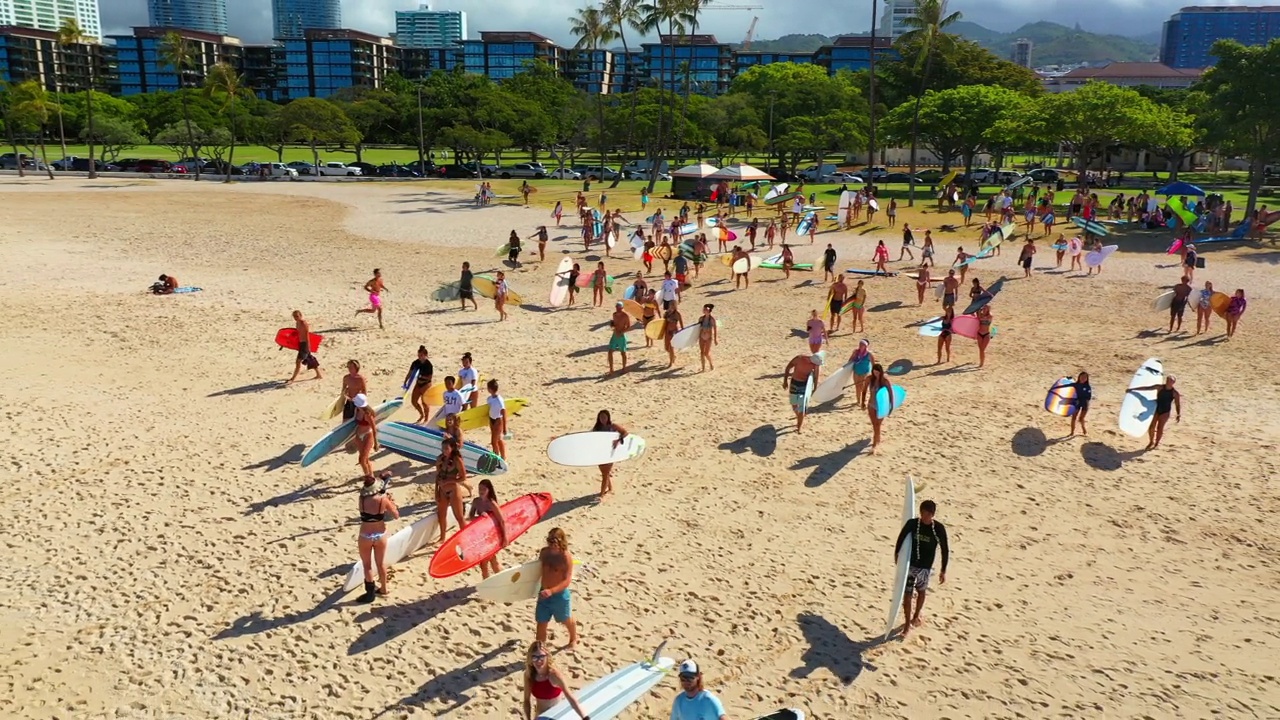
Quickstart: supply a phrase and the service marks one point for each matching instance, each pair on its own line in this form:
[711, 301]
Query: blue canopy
[1180, 188]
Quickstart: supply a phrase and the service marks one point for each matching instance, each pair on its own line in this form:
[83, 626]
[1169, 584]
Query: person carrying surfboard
[353, 384]
[605, 423]
[487, 503]
[863, 361]
[619, 324]
[465, 291]
[929, 536]
[366, 432]
[1181, 295]
[376, 508]
[555, 600]
[1166, 400]
[304, 350]
[795, 379]
[545, 685]
[673, 322]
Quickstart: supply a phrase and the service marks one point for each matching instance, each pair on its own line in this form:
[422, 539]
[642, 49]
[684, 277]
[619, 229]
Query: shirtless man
[794, 379]
[554, 598]
[1181, 292]
[620, 323]
[1024, 258]
[304, 349]
[839, 291]
[740, 254]
[950, 286]
[961, 257]
[374, 287]
[353, 384]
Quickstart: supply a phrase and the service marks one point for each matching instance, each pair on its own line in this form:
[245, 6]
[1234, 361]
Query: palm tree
[592, 28]
[32, 103]
[622, 14]
[69, 34]
[225, 81]
[927, 28]
[178, 53]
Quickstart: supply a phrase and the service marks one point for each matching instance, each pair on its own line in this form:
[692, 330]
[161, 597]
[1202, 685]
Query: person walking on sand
[891, 212]
[795, 379]
[836, 300]
[739, 277]
[908, 239]
[420, 372]
[950, 288]
[304, 350]
[984, 333]
[574, 273]
[922, 283]
[944, 337]
[374, 287]
[829, 263]
[451, 480]
[929, 536]
[695, 702]
[857, 305]
[468, 376]
[1084, 396]
[1024, 259]
[541, 234]
[500, 295]
[558, 212]
[544, 684]
[648, 310]
[1096, 247]
[366, 433]
[465, 291]
[771, 232]
[376, 507]
[708, 335]
[1177, 308]
[880, 257]
[1204, 308]
[497, 420]
[353, 384]
[555, 600]
[605, 423]
[673, 323]
[1235, 310]
[863, 361]
[598, 282]
[669, 293]
[877, 381]
[817, 332]
[619, 324]
[1167, 399]
[487, 504]
[513, 248]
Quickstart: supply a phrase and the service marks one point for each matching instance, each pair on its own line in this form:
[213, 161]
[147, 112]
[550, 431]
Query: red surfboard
[287, 338]
[479, 541]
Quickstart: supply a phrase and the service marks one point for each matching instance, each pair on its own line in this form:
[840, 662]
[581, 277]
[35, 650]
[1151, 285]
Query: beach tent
[693, 182]
[1180, 188]
[740, 172]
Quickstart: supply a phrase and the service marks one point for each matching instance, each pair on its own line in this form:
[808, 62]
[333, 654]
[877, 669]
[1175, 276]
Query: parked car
[1044, 175]
[333, 168]
[393, 170]
[458, 171]
[814, 173]
[78, 164]
[190, 164]
[153, 166]
[276, 169]
[782, 175]
[219, 167]
[9, 161]
[900, 177]
[523, 170]
[425, 168]
[640, 168]
[983, 176]
[877, 173]
[931, 176]
[843, 179]
[566, 174]
[365, 168]
[598, 172]
[303, 167]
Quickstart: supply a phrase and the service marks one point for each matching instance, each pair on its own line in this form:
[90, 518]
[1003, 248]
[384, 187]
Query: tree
[733, 121]
[224, 82]
[623, 14]
[317, 122]
[180, 55]
[927, 25]
[956, 62]
[592, 28]
[954, 123]
[657, 13]
[114, 135]
[372, 112]
[9, 116]
[69, 33]
[1175, 136]
[556, 105]
[34, 108]
[1244, 104]
[801, 91]
[1095, 117]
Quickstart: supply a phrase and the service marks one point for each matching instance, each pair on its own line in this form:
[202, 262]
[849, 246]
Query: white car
[565, 174]
[876, 172]
[271, 169]
[843, 178]
[339, 169]
[523, 170]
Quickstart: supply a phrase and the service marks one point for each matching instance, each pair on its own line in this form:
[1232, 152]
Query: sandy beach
[168, 558]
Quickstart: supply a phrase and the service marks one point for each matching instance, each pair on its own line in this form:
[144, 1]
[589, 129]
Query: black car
[219, 167]
[399, 171]
[425, 168]
[457, 171]
[368, 169]
[783, 176]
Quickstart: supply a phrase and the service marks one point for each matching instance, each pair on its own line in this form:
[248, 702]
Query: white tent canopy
[701, 170]
[740, 172]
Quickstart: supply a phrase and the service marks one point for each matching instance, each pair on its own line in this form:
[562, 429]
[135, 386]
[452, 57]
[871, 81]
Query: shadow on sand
[1101, 456]
[453, 686]
[400, 619]
[826, 466]
[761, 442]
[831, 648]
[255, 623]
[288, 457]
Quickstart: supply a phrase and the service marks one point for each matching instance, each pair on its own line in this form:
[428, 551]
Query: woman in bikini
[863, 361]
[486, 503]
[451, 479]
[452, 428]
[376, 507]
[881, 257]
[817, 332]
[858, 306]
[605, 423]
[926, 251]
[877, 380]
[944, 337]
[922, 282]
[708, 335]
[976, 290]
[673, 323]
[544, 685]
[770, 233]
[984, 333]
[366, 432]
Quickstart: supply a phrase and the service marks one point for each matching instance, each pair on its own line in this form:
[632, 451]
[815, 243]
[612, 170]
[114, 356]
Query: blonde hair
[528, 659]
[558, 538]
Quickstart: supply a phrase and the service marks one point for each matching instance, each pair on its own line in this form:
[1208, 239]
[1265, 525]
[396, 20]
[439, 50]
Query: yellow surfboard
[478, 417]
[487, 288]
[654, 329]
[335, 409]
[433, 396]
[632, 308]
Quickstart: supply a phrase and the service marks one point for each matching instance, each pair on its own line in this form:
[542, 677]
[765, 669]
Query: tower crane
[751, 31]
[714, 6]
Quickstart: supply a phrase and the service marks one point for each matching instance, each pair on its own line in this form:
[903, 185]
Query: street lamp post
[771, 98]
[422, 164]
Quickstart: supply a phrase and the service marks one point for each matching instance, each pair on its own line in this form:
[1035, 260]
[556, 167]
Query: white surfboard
[873, 204]
[1097, 257]
[932, 328]
[516, 584]
[833, 387]
[612, 238]
[904, 559]
[404, 543]
[688, 337]
[1138, 408]
[560, 283]
[1163, 301]
[585, 449]
[605, 698]
[424, 445]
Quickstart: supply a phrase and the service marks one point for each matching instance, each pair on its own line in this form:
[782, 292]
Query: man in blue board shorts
[928, 537]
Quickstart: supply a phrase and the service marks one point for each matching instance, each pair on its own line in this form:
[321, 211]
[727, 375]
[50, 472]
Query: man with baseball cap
[695, 703]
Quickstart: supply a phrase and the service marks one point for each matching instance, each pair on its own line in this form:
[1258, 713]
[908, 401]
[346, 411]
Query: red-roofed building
[1126, 74]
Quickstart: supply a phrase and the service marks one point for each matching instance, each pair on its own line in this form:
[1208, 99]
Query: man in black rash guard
[928, 536]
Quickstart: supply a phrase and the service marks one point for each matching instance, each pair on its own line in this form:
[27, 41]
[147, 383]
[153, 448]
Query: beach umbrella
[739, 172]
[1180, 188]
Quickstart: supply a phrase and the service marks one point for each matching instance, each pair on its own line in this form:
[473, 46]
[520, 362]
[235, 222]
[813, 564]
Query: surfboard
[560, 283]
[1218, 302]
[808, 394]
[746, 264]
[688, 228]
[982, 300]
[637, 241]
[1163, 301]
[1097, 257]
[448, 292]
[478, 416]
[876, 273]
[781, 198]
[833, 387]
[343, 434]
[805, 224]
[711, 222]
[873, 204]
[1074, 245]
[404, 543]
[612, 238]
[1139, 407]
[186, 289]
[287, 338]
[423, 444]
[688, 337]
[882, 400]
[464, 392]
[845, 207]
[633, 308]
[335, 408]
[655, 328]
[1090, 227]
[502, 250]
[909, 512]
[479, 540]
[587, 449]
[517, 584]
[939, 290]
[1061, 400]
[783, 714]
[605, 698]
[488, 288]
[932, 328]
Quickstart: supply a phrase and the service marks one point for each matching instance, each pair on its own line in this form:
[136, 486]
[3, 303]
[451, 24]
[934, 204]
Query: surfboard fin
[657, 653]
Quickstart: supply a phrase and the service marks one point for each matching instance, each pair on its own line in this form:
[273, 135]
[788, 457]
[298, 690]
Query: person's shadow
[831, 648]
[453, 687]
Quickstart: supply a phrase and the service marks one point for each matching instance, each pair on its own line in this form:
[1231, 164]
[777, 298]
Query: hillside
[1053, 44]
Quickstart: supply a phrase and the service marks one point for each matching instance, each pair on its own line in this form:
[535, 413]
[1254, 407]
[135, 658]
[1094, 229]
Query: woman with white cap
[366, 432]
[694, 702]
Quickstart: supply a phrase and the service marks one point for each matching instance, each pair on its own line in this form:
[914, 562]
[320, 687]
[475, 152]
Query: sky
[251, 19]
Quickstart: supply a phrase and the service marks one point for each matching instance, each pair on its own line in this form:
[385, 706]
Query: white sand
[168, 558]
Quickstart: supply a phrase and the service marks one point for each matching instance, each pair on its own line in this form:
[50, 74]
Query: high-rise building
[323, 62]
[141, 69]
[31, 54]
[1190, 33]
[500, 55]
[700, 62]
[208, 16]
[1021, 52]
[427, 28]
[294, 17]
[893, 22]
[49, 14]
